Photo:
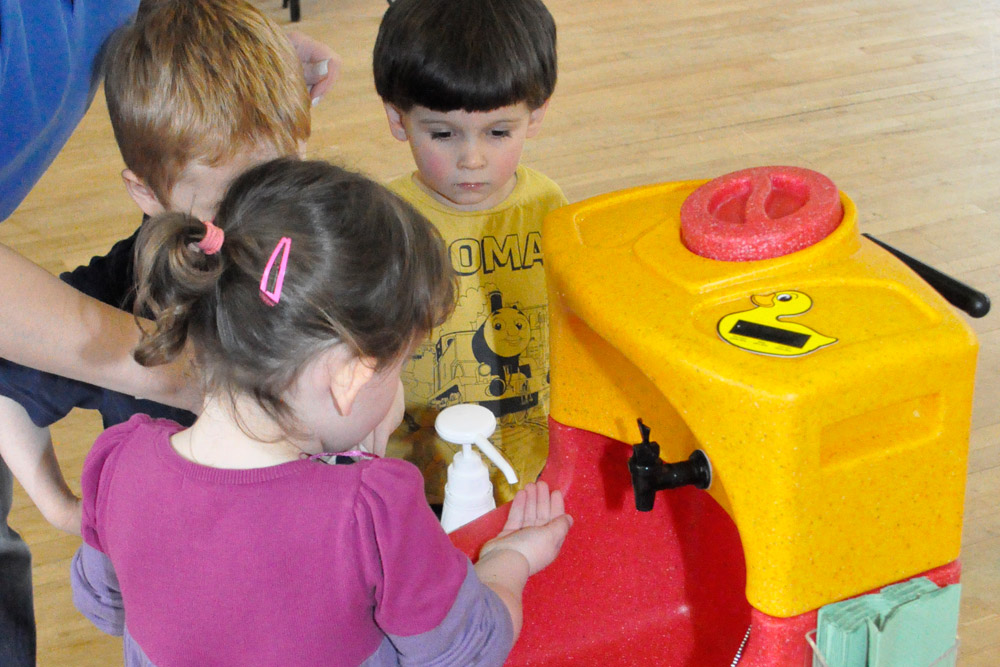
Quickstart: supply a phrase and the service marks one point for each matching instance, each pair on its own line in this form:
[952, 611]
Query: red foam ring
[760, 213]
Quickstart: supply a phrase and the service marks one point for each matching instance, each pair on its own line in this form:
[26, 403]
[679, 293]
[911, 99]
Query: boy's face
[464, 159]
[200, 187]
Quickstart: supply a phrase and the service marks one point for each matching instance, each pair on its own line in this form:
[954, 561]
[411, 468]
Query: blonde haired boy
[198, 91]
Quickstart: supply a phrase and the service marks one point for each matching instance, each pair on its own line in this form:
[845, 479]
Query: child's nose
[472, 156]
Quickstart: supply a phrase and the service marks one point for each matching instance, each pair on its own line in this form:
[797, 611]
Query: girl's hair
[475, 56]
[364, 268]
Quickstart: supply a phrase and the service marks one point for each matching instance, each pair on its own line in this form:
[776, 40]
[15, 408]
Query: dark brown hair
[364, 268]
[477, 55]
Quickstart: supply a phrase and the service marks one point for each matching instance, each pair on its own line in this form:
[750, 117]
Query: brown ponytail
[364, 269]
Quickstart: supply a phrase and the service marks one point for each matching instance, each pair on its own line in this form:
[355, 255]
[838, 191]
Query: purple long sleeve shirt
[297, 564]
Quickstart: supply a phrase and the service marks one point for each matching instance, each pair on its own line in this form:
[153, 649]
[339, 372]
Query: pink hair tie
[212, 241]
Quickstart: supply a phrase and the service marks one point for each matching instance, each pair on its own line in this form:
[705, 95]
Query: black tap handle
[642, 467]
[957, 293]
[646, 453]
[650, 474]
[643, 430]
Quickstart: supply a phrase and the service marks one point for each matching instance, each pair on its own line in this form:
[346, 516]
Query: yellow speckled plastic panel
[831, 388]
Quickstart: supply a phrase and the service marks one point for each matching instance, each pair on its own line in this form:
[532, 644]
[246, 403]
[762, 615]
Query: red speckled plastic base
[629, 588]
[760, 213]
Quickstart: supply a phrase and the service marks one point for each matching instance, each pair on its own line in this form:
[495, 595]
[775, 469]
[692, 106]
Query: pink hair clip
[270, 289]
[211, 243]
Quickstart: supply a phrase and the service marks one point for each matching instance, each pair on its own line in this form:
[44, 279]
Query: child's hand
[535, 528]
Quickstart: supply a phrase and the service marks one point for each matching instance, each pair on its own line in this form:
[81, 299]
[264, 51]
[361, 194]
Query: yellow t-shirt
[493, 350]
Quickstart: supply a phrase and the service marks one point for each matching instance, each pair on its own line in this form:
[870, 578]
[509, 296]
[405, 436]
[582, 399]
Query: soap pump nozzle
[468, 494]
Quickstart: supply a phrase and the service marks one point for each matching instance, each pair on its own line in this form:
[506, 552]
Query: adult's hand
[320, 64]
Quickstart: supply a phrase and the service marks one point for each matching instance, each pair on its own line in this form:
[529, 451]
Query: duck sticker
[763, 330]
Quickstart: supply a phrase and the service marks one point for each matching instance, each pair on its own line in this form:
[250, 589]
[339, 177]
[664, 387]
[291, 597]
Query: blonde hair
[202, 80]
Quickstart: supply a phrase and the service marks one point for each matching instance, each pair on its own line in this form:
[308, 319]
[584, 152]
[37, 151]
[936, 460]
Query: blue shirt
[49, 70]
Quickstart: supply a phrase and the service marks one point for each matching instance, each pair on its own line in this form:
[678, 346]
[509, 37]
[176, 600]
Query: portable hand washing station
[812, 391]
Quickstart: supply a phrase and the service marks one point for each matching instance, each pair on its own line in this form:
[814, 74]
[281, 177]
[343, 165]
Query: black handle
[957, 293]
[650, 474]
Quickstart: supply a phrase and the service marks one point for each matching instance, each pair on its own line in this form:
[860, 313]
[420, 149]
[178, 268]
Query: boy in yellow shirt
[466, 83]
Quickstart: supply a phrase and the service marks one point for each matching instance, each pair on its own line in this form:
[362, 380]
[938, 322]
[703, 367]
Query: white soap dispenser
[468, 493]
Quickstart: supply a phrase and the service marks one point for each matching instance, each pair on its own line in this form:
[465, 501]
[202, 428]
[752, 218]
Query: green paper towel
[910, 624]
[916, 633]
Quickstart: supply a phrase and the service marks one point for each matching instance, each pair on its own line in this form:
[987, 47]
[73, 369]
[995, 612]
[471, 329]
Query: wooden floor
[898, 101]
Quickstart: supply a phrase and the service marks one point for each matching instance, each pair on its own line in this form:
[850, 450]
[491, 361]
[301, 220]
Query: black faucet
[650, 474]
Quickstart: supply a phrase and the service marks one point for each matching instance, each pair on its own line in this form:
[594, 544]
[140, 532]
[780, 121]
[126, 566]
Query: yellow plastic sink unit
[831, 388]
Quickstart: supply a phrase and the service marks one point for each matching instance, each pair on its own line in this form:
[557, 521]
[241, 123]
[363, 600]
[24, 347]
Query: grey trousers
[17, 616]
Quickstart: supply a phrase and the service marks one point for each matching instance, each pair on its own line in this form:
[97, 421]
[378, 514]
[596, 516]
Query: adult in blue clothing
[49, 71]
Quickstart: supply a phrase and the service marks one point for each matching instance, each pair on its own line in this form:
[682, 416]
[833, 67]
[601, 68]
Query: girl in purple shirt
[270, 532]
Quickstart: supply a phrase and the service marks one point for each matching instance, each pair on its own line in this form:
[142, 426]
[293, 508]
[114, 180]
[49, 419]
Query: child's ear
[395, 117]
[347, 377]
[535, 118]
[142, 194]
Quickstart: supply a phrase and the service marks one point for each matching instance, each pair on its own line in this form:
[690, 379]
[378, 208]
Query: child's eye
[499, 133]
[442, 134]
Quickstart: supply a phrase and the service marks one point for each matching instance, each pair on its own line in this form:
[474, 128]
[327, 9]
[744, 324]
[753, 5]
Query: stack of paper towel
[911, 624]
